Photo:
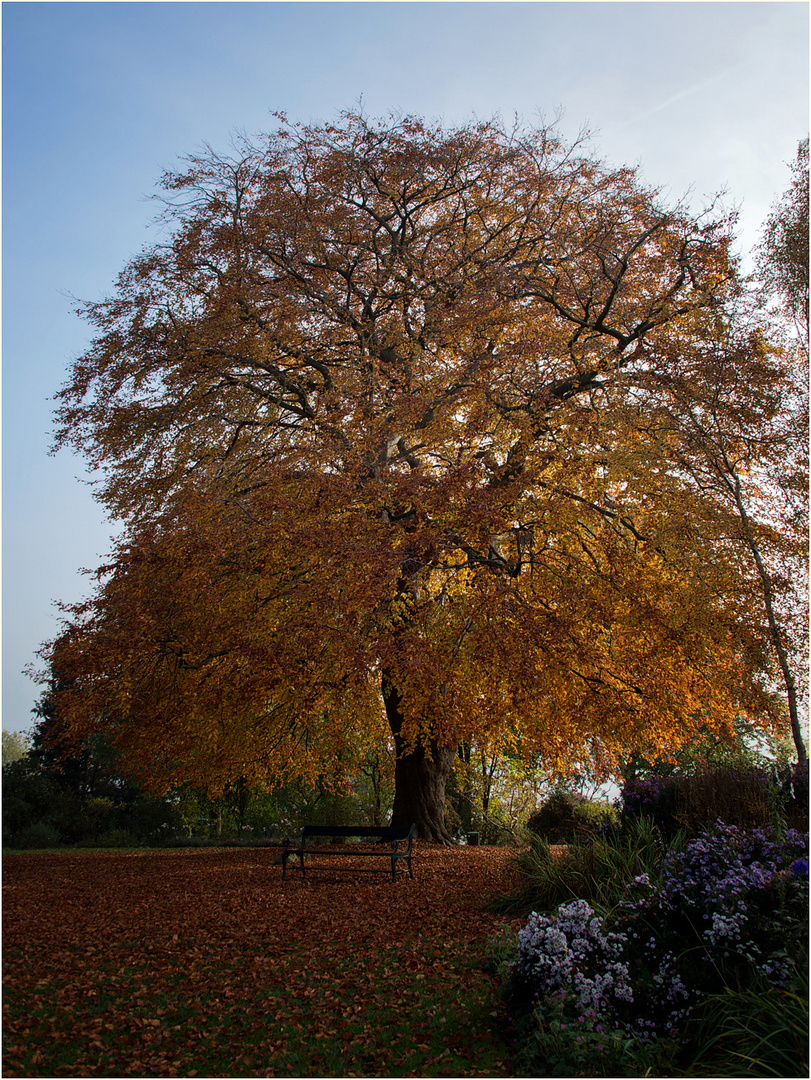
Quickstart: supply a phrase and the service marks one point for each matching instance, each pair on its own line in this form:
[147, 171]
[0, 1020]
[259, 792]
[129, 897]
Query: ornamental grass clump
[761, 1030]
[598, 869]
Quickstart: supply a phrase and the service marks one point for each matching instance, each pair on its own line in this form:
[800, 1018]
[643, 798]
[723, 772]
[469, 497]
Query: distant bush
[597, 815]
[37, 804]
[556, 820]
[30, 798]
[115, 838]
[38, 835]
[746, 797]
[566, 815]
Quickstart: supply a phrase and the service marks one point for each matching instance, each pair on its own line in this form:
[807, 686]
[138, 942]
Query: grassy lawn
[206, 963]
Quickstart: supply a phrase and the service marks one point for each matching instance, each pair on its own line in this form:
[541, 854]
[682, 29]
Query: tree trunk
[420, 774]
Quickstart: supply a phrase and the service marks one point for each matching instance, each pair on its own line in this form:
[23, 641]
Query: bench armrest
[293, 845]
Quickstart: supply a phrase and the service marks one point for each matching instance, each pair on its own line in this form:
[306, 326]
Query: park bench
[392, 835]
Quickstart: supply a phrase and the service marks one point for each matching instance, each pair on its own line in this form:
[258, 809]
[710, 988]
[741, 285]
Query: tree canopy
[384, 417]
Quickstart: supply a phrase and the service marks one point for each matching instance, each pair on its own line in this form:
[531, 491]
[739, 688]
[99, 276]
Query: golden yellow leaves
[406, 400]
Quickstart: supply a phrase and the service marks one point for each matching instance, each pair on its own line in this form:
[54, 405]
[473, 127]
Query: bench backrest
[366, 832]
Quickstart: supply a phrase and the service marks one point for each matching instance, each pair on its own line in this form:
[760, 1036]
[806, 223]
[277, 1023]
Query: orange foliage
[378, 411]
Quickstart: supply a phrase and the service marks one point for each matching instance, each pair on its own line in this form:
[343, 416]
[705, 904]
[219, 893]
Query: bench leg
[394, 859]
[285, 856]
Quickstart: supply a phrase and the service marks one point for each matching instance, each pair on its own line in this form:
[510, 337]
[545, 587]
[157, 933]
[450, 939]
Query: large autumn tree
[375, 416]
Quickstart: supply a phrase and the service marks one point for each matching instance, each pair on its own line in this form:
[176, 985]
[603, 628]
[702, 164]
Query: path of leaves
[207, 963]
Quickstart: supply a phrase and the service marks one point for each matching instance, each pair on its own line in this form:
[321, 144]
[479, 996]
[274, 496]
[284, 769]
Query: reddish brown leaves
[392, 398]
[209, 964]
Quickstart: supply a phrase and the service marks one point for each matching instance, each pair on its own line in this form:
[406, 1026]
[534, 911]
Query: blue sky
[100, 98]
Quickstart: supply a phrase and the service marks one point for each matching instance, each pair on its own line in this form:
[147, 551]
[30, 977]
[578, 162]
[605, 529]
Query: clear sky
[100, 98]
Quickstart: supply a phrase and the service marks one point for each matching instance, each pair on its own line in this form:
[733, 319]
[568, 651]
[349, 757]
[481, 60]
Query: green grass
[65, 850]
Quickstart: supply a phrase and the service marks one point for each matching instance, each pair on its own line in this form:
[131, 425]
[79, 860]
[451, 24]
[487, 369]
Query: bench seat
[394, 836]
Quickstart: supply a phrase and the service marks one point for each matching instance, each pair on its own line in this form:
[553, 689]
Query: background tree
[16, 744]
[754, 453]
[488, 795]
[373, 417]
[752, 457]
[69, 790]
[783, 255]
[84, 765]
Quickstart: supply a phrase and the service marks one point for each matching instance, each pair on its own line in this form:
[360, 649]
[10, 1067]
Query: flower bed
[623, 992]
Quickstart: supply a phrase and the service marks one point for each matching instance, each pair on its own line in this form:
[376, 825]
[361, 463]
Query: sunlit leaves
[395, 402]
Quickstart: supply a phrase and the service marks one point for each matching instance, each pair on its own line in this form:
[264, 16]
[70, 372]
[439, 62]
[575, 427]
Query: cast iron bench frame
[395, 835]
